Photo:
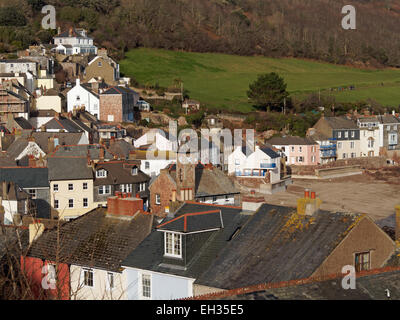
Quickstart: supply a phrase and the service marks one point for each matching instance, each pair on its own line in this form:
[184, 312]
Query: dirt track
[361, 194]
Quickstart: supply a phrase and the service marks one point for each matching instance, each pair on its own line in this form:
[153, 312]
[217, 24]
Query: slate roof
[119, 90]
[68, 169]
[194, 222]
[386, 119]
[117, 174]
[286, 141]
[368, 287]
[93, 240]
[62, 124]
[273, 245]
[276, 245]
[209, 182]
[66, 34]
[23, 123]
[19, 145]
[26, 177]
[81, 151]
[149, 254]
[14, 191]
[341, 123]
[121, 148]
[271, 153]
[64, 138]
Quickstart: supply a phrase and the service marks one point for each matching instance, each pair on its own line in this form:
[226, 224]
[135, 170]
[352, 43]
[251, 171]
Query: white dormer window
[134, 171]
[173, 244]
[101, 173]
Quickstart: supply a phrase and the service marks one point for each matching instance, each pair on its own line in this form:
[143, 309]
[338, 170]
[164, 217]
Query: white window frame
[72, 187]
[85, 186]
[102, 173]
[103, 189]
[84, 279]
[148, 277]
[176, 239]
[110, 283]
[55, 187]
[69, 207]
[142, 186]
[134, 171]
[87, 202]
[158, 198]
[56, 204]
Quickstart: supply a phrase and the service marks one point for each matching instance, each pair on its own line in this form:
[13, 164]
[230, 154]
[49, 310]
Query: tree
[269, 90]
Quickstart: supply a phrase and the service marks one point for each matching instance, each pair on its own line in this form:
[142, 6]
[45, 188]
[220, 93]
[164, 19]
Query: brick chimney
[50, 144]
[308, 205]
[32, 161]
[124, 205]
[101, 154]
[71, 31]
[397, 234]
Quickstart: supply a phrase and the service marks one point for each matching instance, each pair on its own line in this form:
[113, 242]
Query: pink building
[297, 151]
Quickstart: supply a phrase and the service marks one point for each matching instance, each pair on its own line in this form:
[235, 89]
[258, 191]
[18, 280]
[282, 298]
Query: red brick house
[117, 104]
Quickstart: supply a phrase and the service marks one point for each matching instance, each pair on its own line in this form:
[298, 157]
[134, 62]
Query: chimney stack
[50, 144]
[35, 231]
[308, 205]
[101, 154]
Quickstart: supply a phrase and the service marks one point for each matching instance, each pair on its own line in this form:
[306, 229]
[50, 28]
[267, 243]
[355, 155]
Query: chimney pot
[306, 194]
[313, 195]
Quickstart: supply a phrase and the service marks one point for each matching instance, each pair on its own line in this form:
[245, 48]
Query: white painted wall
[90, 101]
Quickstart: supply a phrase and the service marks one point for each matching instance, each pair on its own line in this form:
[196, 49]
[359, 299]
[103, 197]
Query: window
[313, 159]
[292, 149]
[237, 162]
[110, 118]
[70, 186]
[99, 63]
[55, 187]
[142, 186]
[371, 143]
[104, 190]
[147, 165]
[353, 134]
[85, 202]
[227, 198]
[32, 192]
[344, 155]
[110, 280]
[352, 145]
[339, 134]
[101, 173]
[353, 154]
[362, 261]
[214, 199]
[158, 199]
[346, 134]
[300, 149]
[70, 203]
[56, 204]
[146, 286]
[78, 98]
[339, 145]
[125, 188]
[85, 186]
[88, 277]
[301, 159]
[134, 171]
[173, 243]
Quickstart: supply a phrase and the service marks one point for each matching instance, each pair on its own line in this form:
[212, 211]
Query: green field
[220, 80]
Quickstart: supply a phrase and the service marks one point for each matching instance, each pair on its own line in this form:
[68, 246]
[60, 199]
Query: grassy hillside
[222, 80]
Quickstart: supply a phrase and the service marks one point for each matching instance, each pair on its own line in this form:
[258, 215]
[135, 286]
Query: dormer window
[134, 171]
[173, 244]
[101, 173]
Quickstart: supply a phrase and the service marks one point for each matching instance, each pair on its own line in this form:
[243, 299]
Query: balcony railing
[267, 165]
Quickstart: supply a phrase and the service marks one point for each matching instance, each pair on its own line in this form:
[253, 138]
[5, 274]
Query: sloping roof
[271, 153]
[386, 119]
[15, 149]
[368, 287]
[149, 254]
[119, 90]
[13, 191]
[23, 123]
[62, 124]
[194, 222]
[121, 148]
[120, 172]
[64, 138]
[341, 123]
[68, 169]
[288, 140]
[74, 33]
[81, 151]
[26, 177]
[93, 240]
[288, 247]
